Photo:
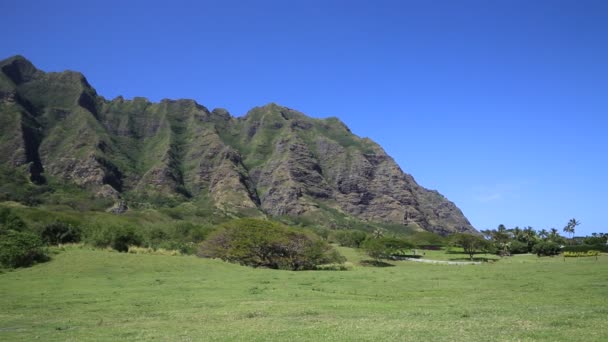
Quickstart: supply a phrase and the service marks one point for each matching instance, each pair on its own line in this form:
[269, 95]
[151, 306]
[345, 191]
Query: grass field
[94, 295]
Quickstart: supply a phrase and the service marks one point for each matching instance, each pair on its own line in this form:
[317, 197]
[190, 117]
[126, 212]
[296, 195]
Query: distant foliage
[260, 243]
[518, 247]
[60, 232]
[585, 248]
[183, 236]
[427, 239]
[350, 238]
[153, 251]
[386, 247]
[10, 221]
[20, 249]
[471, 244]
[347, 266]
[15, 185]
[546, 248]
[596, 239]
[116, 237]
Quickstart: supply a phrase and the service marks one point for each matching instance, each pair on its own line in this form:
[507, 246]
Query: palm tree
[529, 235]
[517, 234]
[501, 234]
[378, 233]
[569, 228]
[543, 234]
[554, 235]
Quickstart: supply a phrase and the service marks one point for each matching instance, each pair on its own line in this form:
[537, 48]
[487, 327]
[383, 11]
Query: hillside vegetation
[62, 143]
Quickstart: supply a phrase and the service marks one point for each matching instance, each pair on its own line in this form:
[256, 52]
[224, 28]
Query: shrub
[595, 240]
[149, 250]
[518, 247]
[347, 266]
[350, 238]
[385, 248]
[472, 244]
[59, 233]
[546, 248]
[20, 249]
[10, 221]
[429, 240]
[585, 248]
[260, 243]
[116, 237]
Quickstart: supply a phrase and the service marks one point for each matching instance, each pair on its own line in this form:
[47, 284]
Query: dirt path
[443, 262]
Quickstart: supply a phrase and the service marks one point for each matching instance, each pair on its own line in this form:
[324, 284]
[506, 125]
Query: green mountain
[58, 136]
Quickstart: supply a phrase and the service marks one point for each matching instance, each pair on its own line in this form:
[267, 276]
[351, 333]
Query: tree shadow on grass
[375, 263]
[478, 259]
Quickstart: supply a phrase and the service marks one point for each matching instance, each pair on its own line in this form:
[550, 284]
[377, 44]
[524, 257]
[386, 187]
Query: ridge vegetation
[61, 144]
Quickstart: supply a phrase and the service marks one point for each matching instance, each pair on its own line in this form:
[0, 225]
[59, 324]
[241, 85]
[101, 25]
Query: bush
[518, 247]
[585, 248]
[546, 248]
[595, 240]
[429, 240]
[153, 251]
[118, 238]
[472, 244]
[347, 266]
[350, 238]
[20, 249]
[260, 243]
[10, 221]
[59, 233]
[385, 248]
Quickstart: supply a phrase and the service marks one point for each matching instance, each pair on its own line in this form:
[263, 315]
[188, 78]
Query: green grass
[455, 254]
[94, 295]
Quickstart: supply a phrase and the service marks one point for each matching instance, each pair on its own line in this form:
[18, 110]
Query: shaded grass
[98, 295]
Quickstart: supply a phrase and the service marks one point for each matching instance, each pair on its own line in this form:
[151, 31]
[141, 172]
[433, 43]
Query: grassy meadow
[96, 295]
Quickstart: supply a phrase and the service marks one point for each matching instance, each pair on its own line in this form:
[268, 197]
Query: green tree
[60, 232]
[555, 237]
[471, 244]
[529, 237]
[501, 235]
[20, 249]
[10, 221]
[546, 248]
[350, 238]
[517, 234]
[386, 247]
[570, 227]
[261, 243]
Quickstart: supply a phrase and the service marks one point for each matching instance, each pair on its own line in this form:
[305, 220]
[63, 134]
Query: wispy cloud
[489, 197]
[496, 192]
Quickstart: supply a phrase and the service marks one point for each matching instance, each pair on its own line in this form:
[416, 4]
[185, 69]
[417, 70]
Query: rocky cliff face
[274, 160]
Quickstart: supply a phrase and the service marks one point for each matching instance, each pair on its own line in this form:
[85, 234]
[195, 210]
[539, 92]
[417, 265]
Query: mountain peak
[274, 161]
[19, 69]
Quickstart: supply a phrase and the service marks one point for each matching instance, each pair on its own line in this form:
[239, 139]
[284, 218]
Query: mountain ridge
[272, 161]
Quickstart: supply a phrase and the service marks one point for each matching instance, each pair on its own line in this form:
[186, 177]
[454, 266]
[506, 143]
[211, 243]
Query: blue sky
[502, 106]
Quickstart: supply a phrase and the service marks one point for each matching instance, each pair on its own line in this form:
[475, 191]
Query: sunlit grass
[85, 294]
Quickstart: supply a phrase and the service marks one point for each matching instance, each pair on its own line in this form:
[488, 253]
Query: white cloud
[489, 197]
[496, 192]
